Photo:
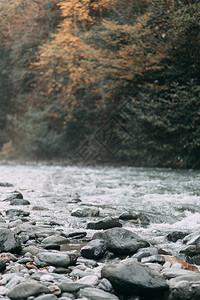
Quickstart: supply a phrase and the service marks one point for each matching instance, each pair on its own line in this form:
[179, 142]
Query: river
[169, 198]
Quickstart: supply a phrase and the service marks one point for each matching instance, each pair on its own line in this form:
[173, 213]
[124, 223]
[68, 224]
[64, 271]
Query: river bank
[83, 232]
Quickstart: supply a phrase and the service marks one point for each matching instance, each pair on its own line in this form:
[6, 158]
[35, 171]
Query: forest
[101, 82]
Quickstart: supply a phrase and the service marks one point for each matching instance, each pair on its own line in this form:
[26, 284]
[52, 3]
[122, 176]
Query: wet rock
[153, 259]
[14, 195]
[145, 252]
[121, 241]
[126, 215]
[26, 289]
[87, 262]
[184, 290]
[143, 219]
[9, 242]
[176, 235]
[16, 212]
[106, 223]
[2, 265]
[43, 259]
[6, 184]
[192, 239]
[191, 250]
[133, 278]
[19, 202]
[96, 294]
[95, 249]
[77, 235]
[55, 239]
[85, 212]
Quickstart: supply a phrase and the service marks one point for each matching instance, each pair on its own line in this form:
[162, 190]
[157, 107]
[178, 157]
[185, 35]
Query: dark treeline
[101, 81]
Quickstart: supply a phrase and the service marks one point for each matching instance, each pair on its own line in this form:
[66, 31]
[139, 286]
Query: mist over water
[169, 198]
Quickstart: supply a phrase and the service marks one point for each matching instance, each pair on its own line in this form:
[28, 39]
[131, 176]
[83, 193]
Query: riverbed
[169, 198]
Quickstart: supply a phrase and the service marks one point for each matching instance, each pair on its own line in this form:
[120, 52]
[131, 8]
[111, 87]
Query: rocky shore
[43, 262]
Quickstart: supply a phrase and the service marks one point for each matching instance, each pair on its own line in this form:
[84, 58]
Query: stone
[58, 259]
[85, 212]
[184, 290]
[191, 250]
[173, 272]
[77, 235]
[152, 259]
[96, 294]
[192, 239]
[16, 212]
[14, 195]
[105, 285]
[26, 289]
[2, 265]
[32, 249]
[145, 252]
[89, 280]
[87, 262]
[6, 184]
[105, 223]
[95, 249]
[173, 260]
[46, 297]
[176, 235]
[9, 241]
[55, 239]
[143, 219]
[72, 287]
[126, 215]
[121, 241]
[19, 202]
[129, 277]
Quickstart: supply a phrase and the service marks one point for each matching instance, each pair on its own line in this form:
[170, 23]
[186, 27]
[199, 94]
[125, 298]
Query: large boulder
[133, 278]
[121, 241]
[9, 242]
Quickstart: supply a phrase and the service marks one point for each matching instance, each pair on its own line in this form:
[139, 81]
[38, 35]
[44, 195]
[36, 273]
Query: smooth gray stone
[32, 249]
[173, 272]
[55, 239]
[121, 241]
[57, 259]
[59, 277]
[9, 242]
[95, 249]
[19, 202]
[85, 212]
[72, 286]
[17, 212]
[189, 278]
[145, 252]
[185, 290]
[96, 294]
[26, 289]
[105, 285]
[133, 278]
[46, 297]
[106, 223]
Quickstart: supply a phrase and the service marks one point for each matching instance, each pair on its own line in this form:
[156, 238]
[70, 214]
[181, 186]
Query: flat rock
[46, 297]
[95, 249]
[185, 290]
[96, 294]
[105, 223]
[19, 202]
[121, 241]
[9, 242]
[145, 252]
[72, 287]
[173, 272]
[16, 212]
[85, 212]
[133, 278]
[57, 259]
[55, 239]
[26, 289]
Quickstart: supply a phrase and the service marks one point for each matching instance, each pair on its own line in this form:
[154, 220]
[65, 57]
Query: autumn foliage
[81, 60]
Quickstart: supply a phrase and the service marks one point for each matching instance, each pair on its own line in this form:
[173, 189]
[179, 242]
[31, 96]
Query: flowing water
[169, 198]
